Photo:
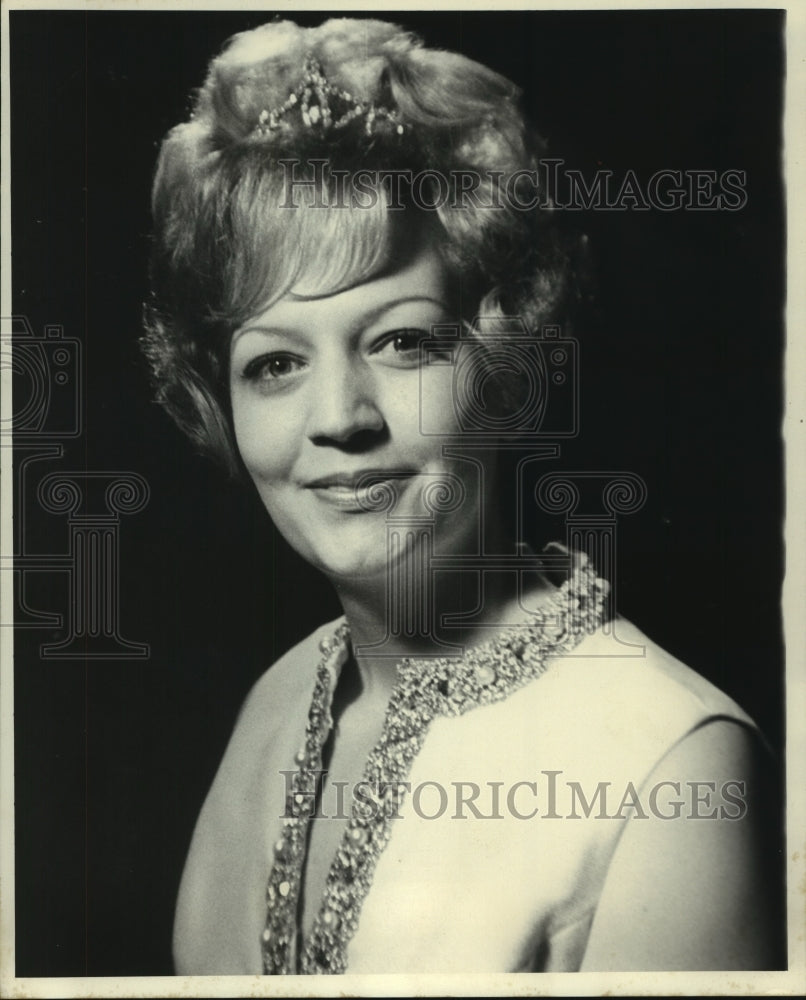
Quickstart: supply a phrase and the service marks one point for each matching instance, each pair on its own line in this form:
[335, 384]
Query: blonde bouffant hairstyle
[226, 245]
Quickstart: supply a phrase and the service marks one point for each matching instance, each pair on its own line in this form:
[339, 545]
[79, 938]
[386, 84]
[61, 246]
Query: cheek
[433, 410]
[267, 440]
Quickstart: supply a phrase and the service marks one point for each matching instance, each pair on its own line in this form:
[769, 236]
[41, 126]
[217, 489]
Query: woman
[470, 771]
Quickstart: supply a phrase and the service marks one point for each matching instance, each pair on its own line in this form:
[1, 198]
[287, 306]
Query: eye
[402, 347]
[404, 341]
[275, 367]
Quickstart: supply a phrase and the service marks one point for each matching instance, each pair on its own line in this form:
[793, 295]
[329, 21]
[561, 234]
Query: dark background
[681, 384]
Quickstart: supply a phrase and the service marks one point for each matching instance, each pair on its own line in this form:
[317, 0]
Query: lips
[361, 492]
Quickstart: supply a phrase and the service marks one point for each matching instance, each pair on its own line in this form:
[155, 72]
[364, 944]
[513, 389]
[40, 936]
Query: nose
[344, 408]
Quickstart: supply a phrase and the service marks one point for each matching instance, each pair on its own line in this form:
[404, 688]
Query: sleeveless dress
[490, 811]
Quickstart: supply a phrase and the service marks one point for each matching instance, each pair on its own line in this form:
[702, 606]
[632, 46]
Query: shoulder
[620, 670]
[287, 682]
[288, 672]
[698, 862]
[223, 882]
[268, 726]
[609, 709]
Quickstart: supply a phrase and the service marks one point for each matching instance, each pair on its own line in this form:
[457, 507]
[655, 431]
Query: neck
[386, 628]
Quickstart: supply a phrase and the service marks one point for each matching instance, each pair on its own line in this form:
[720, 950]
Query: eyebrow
[366, 319]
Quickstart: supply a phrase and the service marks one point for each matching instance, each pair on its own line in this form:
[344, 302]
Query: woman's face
[328, 392]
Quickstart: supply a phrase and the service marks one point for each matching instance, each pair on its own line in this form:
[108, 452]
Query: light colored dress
[496, 854]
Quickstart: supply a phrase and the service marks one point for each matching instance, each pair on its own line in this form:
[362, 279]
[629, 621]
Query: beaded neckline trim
[425, 690]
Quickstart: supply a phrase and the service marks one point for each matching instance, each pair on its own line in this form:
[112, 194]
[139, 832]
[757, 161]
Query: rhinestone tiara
[320, 104]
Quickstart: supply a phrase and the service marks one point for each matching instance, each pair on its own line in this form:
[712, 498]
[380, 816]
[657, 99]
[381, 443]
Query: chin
[352, 567]
[357, 547]
[358, 552]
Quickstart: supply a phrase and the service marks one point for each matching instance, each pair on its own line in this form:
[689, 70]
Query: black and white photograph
[402, 514]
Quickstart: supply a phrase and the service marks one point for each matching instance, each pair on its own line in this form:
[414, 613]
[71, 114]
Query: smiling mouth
[370, 491]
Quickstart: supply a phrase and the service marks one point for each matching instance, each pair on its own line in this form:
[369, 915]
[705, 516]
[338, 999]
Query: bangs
[305, 238]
